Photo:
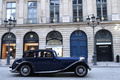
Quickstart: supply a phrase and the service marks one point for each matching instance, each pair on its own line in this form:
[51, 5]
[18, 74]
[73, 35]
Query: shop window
[5, 45]
[31, 41]
[54, 42]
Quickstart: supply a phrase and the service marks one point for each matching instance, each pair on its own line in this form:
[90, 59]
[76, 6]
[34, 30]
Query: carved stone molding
[47, 1]
[25, 1]
[31, 28]
[53, 27]
[17, 1]
[39, 1]
[4, 1]
[78, 27]
[103, 26]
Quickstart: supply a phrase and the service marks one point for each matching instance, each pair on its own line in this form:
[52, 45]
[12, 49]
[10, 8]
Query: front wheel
[81, 71]
[25, 70]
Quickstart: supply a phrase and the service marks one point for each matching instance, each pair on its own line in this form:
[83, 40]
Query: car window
[45, 54]
[31, 54]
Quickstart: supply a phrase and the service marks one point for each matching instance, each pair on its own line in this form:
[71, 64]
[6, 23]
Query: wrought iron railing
[105, 18]
[54, 20]
[76, 19]
[44, 20]
[31, 21]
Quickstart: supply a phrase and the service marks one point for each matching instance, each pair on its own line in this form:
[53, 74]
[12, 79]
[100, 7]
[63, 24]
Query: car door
[30, 57]
[46, 61]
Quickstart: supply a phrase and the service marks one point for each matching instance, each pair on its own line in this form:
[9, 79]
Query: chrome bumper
[13, 71]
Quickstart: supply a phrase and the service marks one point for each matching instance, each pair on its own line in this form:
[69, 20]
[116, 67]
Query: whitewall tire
[25, 70]
[81, 70]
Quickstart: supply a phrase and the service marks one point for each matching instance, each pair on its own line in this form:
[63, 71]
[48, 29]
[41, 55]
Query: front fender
[22, 63]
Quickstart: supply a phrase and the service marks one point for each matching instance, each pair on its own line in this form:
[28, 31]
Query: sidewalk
[105, 64]
[4, 61]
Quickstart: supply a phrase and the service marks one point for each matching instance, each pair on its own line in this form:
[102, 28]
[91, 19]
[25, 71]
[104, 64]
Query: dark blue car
[46, 61]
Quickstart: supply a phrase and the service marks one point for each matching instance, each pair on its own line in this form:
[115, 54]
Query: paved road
[94, 74]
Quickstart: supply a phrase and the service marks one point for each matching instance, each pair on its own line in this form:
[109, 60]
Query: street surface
[94, 74]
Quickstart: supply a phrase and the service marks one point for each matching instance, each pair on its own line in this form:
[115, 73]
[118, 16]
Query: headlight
[17, 63]
[82, 58]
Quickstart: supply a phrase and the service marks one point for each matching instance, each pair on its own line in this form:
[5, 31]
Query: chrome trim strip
[48, 71]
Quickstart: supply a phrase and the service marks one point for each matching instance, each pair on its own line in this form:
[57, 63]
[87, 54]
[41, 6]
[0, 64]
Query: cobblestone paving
[94, 74]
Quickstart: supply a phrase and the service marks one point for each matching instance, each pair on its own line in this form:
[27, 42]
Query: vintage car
[46, 61]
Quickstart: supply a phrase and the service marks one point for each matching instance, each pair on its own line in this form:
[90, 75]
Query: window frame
[54, 8]
[78, 14]
[34, 20]
[101, 8]
[11, 8]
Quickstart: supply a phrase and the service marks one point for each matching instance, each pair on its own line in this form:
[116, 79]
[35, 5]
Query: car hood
[18, 60]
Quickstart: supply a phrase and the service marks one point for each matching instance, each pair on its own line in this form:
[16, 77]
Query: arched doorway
[78, 44]
[31, 41]
[104, 45]
[54, 42]
[5, 44]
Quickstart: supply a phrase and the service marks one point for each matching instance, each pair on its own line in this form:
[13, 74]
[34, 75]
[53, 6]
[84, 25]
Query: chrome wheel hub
[80, 70]
[25, 70]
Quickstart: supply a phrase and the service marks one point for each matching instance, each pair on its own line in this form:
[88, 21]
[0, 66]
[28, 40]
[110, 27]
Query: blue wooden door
[78, 44]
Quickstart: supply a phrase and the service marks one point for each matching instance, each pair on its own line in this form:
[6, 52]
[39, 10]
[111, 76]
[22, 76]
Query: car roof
[38, 50]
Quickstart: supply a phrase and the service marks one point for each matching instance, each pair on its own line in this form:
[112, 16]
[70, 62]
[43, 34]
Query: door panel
[47, 64]
[104, 53]
[78, 45]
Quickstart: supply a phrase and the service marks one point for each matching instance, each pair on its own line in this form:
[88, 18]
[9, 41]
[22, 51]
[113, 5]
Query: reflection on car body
[46, 61]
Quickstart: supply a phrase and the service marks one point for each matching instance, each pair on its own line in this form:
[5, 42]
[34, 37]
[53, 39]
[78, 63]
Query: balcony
[31, 21]
[45, 20]
[105, 18]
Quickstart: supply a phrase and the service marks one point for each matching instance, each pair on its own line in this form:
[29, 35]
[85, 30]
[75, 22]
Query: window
[102, 9]
[31, 41]
[45, 54]
[32, 12]
[54, 41]
[31, 54]
[77, 11]
[5, 45]
[11, 10]
[54, 11]
[54, 38]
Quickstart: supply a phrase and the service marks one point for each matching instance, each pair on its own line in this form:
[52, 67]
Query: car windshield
[54, 53]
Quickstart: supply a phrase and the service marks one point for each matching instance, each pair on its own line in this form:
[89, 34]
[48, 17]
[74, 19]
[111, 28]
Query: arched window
[54, 38]
[104, 45]
[54, 41]
[31, 41]
[5, 44]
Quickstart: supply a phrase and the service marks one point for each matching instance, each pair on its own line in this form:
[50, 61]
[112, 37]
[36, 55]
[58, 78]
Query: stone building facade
[58, 29]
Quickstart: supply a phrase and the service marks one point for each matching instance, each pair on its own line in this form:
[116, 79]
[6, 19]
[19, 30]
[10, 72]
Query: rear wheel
[25, 70]
[81, 70]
